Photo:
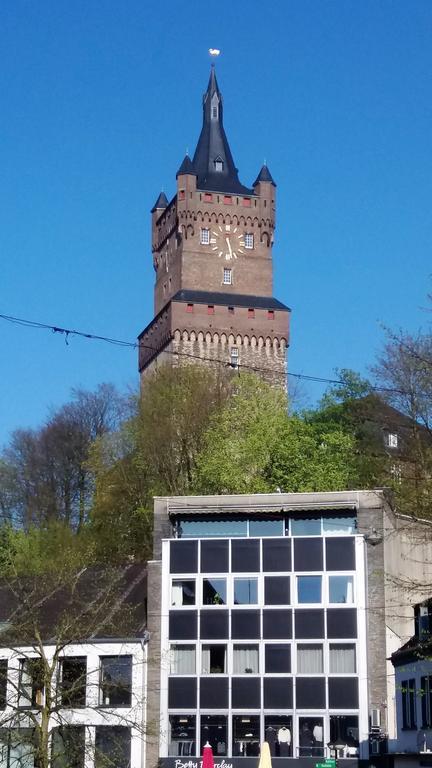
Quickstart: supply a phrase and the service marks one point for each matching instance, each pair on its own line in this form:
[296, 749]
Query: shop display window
[182, 729]
[311, 738]
[279, 734]
[214, 730]
[246, 735]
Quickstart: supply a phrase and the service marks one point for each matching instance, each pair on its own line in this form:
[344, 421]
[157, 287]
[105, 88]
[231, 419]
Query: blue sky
[100, 101]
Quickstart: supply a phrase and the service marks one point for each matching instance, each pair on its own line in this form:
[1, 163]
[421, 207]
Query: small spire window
[218, 164]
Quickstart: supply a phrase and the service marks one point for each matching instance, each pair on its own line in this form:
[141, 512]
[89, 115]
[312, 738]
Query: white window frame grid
[322, 533]
[205, 236]
[227, 276]
[249, 240]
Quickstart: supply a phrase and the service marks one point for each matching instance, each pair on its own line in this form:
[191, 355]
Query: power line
[69, 332]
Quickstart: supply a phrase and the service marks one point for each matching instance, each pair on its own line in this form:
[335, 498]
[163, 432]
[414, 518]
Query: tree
[56, 604]
[44, 474]
[254, 446]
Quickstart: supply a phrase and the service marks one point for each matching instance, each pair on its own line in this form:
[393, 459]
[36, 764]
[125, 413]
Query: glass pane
[277, 658]
[72, 688]
[246, 736]
[214, 591]
[213, 659]
[344, 734]
[277, 590]
[112, 747]
[183, 592]
[245, 591]
[311, 740]
[245, 659]
[116, 681]
[207, 528]
[182, 660]
[306, 526]
[309, 659]
[68, 747]
[181, 735]
[278, 733]
[342, 658]
[214, 730]
[309, 589]
[341, 589]
[339, 524]
[266, 527]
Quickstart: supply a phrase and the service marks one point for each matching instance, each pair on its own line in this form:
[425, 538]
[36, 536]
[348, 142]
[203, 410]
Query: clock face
[227, 241]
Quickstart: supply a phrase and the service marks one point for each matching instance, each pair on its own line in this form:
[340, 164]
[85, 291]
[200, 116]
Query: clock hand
[229, 245]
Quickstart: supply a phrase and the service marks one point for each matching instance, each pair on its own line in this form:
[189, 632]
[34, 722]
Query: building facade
[212, 256]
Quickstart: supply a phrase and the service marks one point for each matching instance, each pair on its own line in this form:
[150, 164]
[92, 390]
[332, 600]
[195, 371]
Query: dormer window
[391, 440]
[214, 109]
[214, 113]
[218, 164]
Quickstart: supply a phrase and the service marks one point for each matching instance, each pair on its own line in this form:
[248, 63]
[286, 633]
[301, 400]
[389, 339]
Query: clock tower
[212, 256]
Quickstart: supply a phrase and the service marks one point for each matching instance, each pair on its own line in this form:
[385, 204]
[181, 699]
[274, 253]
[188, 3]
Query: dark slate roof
[186, 168]
[413, 650]
[160, 203]
[264, 175]
[212, 145]
[229, 299]
[101, 602]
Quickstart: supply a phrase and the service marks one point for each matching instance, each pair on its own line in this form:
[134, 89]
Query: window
[246, 202]
[227, 276]
[276, 590]
[279, 734]
[270, 314]
[218, 165]
[116, 681]
[234, 357]
[408, 704]
[344, 730]
[68, 747]
[181, 194]
[342, 658]
[309, 589]
[426, 701]
[310, 659]
[306, 526]
[210, 309]
[72, 681]
[311, 743]
[396, 473]
[213, 659]
[112, 746]
[189, 307]
[341, 589]
[227, 200]
[245, 591]
[214, 592]
[249, 240]
[245, 660]
[205, 237]
[251, 313]
[230, 310]
[214, 112]
[181, 735]
[340, 524]
[212, 528]
[266, 528]
[183, 592]
[3, 682]
[391, 440]
[214, 730]
[246, 735]
[17, 747]
[208, 197]
[31, 683]
[182, 660]
[277, 658]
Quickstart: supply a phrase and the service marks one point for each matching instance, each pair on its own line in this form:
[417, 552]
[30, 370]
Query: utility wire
[67, 332]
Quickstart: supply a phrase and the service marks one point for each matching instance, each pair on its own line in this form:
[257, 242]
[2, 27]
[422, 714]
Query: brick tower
[212, 255]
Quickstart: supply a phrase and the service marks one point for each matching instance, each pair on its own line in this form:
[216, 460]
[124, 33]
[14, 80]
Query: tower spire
[213, 161]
